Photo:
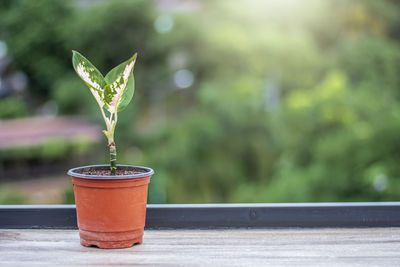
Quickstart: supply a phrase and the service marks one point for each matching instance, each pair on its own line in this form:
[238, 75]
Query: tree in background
[244, 101]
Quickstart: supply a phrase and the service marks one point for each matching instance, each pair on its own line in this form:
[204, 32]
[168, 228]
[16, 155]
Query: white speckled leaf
[120, 86]
[90, 75]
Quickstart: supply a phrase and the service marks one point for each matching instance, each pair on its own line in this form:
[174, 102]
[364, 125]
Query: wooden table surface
[284, 247]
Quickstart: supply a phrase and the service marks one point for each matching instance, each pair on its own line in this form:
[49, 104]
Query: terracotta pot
[111, 210]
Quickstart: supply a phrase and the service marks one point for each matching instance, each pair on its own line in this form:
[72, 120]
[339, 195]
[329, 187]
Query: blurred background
[235, 101]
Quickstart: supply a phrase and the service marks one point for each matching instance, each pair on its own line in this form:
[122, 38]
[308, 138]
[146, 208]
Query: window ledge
[216, 216]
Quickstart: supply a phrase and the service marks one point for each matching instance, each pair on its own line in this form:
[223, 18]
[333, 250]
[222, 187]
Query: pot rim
[147, 172]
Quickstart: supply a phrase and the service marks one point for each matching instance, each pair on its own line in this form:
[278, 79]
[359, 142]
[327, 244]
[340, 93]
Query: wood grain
[286, 247]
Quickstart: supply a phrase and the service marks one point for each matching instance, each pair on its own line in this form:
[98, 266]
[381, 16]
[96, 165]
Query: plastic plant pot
[111, 209]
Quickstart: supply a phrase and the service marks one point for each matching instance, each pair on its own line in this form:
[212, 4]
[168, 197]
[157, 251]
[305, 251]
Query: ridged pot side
[111, 211]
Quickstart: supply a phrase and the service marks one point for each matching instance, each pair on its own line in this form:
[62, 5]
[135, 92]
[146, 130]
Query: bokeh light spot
[3, 49]
[164, 24]
[183, 78]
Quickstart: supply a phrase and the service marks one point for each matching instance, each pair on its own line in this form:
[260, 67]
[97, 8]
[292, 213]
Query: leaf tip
[74, 54]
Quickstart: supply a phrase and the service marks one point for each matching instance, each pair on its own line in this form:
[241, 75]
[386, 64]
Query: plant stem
[104, 116]
[113, 148]
[113, 157]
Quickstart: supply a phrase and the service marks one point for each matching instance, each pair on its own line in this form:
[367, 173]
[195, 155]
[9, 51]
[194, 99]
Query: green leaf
[90, 75]
[128, 94]
[120, 86]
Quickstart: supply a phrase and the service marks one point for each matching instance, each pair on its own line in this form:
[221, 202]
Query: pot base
[111, 244]
[111, 239]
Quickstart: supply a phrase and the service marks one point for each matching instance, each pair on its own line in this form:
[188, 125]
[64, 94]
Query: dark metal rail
[186, 216]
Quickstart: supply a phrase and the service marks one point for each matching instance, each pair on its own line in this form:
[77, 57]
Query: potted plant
[110, 199]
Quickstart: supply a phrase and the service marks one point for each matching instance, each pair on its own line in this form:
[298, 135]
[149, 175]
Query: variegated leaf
[90, 75]
[120, 86]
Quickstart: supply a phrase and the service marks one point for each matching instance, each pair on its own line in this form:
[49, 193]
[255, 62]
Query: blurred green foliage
[290, 101]
[12, 107]
[68, 195]
[51, 149]
[10, 196]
